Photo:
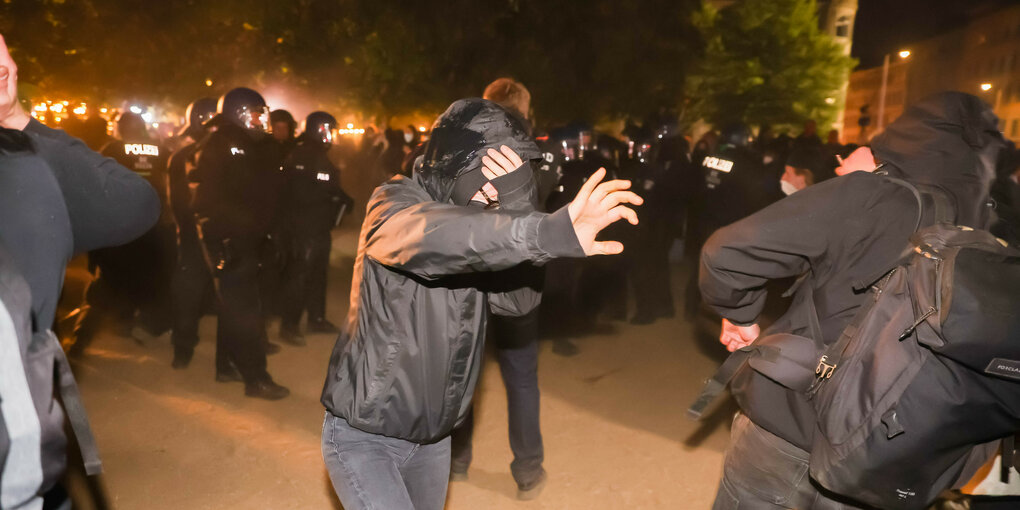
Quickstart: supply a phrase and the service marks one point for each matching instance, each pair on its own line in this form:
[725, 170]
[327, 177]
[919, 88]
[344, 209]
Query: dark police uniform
[311, 202]
[135, 276]
[233, 221]
[191, 280]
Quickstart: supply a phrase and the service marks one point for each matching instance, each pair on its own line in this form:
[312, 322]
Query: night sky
[884, 26]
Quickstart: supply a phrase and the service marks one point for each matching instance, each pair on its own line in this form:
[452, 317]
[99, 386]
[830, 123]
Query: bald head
[511, 94]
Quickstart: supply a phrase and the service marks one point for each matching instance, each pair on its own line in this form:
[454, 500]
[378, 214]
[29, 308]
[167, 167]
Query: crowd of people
[485, 227]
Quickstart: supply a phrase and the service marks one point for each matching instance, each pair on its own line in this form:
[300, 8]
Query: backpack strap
[715, 386]
[75, 409]
[834, 353]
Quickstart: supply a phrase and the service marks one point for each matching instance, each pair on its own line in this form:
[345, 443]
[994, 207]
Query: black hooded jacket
[427, 275]
[846, 232]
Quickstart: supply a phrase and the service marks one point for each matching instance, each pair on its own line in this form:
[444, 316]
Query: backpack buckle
[825, 369]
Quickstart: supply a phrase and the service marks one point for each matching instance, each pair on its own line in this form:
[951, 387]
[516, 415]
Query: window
[843, 26]
[1014, 128]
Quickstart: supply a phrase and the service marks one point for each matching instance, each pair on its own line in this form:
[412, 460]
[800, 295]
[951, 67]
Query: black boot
[265, 389]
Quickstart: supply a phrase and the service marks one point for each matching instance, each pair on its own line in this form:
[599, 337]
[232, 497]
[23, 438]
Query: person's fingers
[515, 160]
[501, 160]
[489, 168]
[602, 190]
[621, 197]
[591, 183]
[624, 212]
[607, 247]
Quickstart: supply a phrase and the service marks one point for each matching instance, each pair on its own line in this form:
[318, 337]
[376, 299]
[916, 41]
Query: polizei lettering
[715, 163]
[140, 149]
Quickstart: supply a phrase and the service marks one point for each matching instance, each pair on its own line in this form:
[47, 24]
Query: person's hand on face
[12, 115]
[598, 205]
[736, 337]
[860, 160]
[494, 164]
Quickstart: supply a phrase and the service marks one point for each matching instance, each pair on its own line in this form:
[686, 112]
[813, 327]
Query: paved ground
[613, 421]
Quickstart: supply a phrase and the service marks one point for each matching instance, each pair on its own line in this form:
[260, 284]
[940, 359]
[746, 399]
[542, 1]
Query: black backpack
[913, 396]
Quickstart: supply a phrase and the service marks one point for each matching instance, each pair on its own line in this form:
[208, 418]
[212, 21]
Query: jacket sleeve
[109, 205]
[410, 232]
[785, 239]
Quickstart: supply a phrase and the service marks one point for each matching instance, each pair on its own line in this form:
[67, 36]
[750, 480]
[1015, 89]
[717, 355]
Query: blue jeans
[371, 471]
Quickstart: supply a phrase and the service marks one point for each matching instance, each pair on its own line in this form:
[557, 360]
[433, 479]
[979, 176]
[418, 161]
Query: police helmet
[736, 135]
[199, 112]
[319, 127]
[130, 126]
[247, 109]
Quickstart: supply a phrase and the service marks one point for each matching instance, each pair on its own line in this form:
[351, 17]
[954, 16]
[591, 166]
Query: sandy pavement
[613, 423]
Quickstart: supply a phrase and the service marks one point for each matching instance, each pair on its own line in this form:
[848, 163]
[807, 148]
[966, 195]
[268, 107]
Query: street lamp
[986, 87]
[904, 54]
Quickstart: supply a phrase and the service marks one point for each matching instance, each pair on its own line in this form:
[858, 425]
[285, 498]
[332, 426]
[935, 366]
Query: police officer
[133, 277]
[191, 279]
[648, 262]
[736, 183]
[311, 206]
[283, 128]
[234, 163]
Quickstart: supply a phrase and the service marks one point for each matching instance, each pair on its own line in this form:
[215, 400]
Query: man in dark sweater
[57, 198]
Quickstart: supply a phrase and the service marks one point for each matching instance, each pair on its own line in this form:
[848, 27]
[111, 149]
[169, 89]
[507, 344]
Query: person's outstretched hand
[12, 115]
[598, 205]
[736, 337]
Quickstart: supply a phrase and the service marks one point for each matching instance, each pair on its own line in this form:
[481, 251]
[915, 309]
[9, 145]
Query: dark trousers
[129, 280]
[241, 326]
[305, 281]
[762, 471]
[650, 271]
[516, 341]
[191, 283]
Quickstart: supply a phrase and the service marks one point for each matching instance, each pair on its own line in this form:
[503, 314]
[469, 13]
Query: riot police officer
[234, 164]
[736, 183]
[191, 279]
[133, 278]
[312, 204]
[648, 261]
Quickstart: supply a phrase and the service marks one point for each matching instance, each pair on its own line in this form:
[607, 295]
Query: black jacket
[846, 232]
[238, 184]
[312, 195]
[426, 277]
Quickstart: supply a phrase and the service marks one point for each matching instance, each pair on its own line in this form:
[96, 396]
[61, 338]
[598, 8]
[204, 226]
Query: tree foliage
[767, 62]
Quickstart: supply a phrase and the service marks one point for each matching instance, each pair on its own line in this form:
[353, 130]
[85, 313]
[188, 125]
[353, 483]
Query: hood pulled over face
[460, 137]
[949, 140]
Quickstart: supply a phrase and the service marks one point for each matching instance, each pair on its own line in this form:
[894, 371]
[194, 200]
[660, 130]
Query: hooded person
[427, 275]
[843, 234]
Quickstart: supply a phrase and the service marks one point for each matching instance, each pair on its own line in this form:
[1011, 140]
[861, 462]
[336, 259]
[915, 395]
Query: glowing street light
[421, 129]
[986, 87]
[208, 82]
[350, 125]
[904, 53]
[136, 109]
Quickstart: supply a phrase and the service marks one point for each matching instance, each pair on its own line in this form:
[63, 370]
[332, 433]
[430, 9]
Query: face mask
[408, 137]
[787, 188]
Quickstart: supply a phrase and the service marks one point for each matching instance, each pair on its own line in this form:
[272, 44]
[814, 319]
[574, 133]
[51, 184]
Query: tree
[767, 62]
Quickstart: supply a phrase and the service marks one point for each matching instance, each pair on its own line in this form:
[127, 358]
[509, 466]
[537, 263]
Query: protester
[947, 143]
[404, 369]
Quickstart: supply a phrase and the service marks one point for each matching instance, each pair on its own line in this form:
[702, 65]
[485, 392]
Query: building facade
[981, 58]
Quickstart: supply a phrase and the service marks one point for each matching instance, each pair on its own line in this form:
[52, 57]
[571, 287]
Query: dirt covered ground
[613, 420]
